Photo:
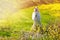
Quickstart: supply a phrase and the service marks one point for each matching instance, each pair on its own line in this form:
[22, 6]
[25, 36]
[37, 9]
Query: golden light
[7, 9]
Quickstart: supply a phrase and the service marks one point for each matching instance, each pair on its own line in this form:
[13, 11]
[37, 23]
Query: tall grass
[18, 26]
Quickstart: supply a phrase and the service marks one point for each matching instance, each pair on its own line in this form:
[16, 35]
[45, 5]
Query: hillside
[29, 3]
[18, 24]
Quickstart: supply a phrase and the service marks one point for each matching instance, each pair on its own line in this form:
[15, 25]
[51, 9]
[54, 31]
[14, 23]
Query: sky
[7, 7]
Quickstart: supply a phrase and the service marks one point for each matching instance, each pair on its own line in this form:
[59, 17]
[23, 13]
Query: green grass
[21, 20]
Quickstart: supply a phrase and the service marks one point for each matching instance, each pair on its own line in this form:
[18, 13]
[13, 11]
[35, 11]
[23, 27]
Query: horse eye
[35, 15]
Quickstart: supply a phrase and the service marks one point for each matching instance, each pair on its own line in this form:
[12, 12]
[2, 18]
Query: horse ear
[36, 9]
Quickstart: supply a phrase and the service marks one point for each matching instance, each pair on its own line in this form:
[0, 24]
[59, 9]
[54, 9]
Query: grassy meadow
[18, 25]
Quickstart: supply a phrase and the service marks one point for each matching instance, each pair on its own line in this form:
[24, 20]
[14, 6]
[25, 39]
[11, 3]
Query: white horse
[36, 18]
